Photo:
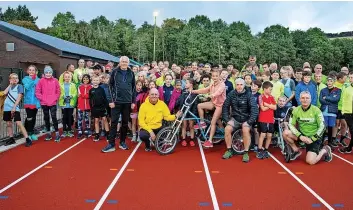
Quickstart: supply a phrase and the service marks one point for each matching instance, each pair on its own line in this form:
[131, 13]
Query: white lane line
[209, 180]
[302, 183]
[39, 167]
[115, 180]
[343, 159]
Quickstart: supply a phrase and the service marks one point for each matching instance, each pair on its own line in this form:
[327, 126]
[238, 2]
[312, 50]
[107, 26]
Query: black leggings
[145, 136]
[67, 118]
[52, 110]
[349, 121]
[124, 110]
[30, 121]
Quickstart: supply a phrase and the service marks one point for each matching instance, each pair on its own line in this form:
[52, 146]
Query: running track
[79, 176]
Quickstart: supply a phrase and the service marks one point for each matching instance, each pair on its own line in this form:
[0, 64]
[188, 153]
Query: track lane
[18, 161]
[332, 181]
[162, 182]
[81, 174]
[259, 184]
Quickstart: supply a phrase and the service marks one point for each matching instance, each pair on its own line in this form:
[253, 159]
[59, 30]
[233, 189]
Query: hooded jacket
[48, 91]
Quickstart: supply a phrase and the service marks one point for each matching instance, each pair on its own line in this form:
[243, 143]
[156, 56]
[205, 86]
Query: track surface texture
[78, 179]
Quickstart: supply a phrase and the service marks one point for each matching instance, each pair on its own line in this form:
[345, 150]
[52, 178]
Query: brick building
[21, 47]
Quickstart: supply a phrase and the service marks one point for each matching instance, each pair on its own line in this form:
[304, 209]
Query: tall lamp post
[155, 14]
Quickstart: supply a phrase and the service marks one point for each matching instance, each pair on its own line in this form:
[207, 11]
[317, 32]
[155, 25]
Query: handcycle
[167, 137]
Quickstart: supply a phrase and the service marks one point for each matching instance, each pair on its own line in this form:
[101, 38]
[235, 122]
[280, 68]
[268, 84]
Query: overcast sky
[332, 17]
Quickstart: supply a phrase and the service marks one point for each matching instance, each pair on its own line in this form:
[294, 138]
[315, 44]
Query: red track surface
[155, 182]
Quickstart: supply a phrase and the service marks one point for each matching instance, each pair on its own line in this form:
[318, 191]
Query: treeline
[197, 39]
[342, 34]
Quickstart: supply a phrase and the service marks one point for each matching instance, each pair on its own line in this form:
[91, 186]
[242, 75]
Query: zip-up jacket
[311, 87]
[30, 99]
[122, 87]
[83, 97]
[331, 99]
[243, 107]
[48, 91]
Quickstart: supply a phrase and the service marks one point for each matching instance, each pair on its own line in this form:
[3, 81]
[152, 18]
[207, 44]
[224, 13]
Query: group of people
[105, 101]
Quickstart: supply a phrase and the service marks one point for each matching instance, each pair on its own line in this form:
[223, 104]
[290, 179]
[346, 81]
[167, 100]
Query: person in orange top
[217, 93]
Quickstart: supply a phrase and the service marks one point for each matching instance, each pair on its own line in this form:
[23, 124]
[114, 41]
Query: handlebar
[193, 101]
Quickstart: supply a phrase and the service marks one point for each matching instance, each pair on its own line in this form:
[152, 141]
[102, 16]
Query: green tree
[20, 13]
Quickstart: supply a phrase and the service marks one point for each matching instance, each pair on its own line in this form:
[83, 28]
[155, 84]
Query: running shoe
[34, 137]
[70, 134]
[343, 143]
[28, 142]
[109, 148]
[260, 154]
[64, 134]
[148, 149]
[295, 155]
[96, 137]
[202, 125]
[208, 144]
[332, 144]
[246, 158]
[48, 137]
[192, 143]
[88, 133]
[184, 143]
[123, 146]
[328, 155]
[228, 154]
[266, 154]
[134, 139]
[79, 134]
[57, 137]
[345, 150]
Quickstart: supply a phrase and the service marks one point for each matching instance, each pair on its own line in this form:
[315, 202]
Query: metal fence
[40, 125]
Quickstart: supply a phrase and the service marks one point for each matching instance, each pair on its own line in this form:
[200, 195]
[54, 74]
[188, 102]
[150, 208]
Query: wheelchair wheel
[287, 152]
[165, 141]
[237, 142]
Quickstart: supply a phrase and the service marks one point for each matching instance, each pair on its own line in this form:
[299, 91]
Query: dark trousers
[52, 110]
[145, 136]
[67, 118]
[349, 121]
[30, 121]
[124, 110]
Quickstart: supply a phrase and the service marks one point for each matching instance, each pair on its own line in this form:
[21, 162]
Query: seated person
[311, 129]
[150, 117]
[244, 114]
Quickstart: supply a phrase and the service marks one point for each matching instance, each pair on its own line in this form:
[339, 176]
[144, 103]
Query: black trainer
[295, 155]
[28, 142]
[345, 150]
[333, 144]
[10, 141]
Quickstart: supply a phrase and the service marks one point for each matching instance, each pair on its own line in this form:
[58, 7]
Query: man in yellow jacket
[151, 114]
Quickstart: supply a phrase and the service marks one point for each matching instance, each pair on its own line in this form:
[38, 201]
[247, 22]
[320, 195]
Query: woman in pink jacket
[48, 93]
[217, 91]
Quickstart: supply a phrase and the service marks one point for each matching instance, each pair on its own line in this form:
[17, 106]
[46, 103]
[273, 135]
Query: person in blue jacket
[31, 102]
[329, 98]
[306, 85]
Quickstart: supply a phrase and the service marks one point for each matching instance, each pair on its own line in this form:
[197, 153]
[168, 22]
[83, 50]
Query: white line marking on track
[115, 180]
[39, 167]
[303, 184]
[208, 176]
[343, 159]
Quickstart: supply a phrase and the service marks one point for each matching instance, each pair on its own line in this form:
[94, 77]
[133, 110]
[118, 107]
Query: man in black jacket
[244, 112]
[122, 100]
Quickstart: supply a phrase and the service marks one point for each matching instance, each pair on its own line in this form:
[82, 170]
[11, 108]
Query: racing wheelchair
[167, 138]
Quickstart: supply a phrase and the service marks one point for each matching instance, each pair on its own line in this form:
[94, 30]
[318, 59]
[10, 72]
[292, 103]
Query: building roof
[58, 46]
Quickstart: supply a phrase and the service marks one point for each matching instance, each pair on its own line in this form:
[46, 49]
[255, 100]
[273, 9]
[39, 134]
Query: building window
[10, 47]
